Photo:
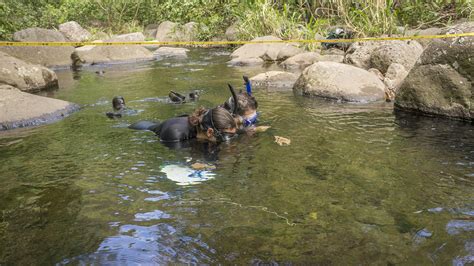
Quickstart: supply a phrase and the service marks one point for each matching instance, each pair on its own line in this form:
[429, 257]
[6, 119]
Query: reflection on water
[358, 184]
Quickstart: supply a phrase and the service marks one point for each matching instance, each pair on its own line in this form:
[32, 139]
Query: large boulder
[56, 57]
[98, 54]
[401, 52]
[150, 30]
[74, 32]
[169, 31]
[164, 52]
[264, 51]
[20, 109]
[302, 60]
[394, 77]
[424, 32]
[129, 37]
[231, 33]
[340, 82]
[25, 76]
[441, 83]
[274, 81]
[38, 35]
[359, 53]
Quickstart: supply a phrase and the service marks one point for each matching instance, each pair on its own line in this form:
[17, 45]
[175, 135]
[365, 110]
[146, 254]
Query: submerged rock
[43, 55]
[339, 82]
[74, 32]
[20, 109]
[25, 76]
[441, 83]
[171, 52]
[274, 81]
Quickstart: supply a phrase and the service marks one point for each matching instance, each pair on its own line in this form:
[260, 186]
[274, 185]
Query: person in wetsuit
[243, 105]
[214, 125]
[118, 104]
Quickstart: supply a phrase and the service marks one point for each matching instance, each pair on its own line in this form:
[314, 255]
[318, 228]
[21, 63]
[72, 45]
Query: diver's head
[246, 109]
[246, 104]
[118, 103]
[215, 125]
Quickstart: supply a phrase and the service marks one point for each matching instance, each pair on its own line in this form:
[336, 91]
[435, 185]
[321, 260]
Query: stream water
[359, 184]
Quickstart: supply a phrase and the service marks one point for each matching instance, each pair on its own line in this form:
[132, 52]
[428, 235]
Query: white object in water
[184, 175]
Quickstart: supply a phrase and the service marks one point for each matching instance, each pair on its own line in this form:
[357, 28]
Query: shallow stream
[358, 184]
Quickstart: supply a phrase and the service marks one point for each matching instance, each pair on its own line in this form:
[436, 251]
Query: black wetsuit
[171, 130]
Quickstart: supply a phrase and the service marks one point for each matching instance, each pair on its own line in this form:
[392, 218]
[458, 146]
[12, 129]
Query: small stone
[282, 141]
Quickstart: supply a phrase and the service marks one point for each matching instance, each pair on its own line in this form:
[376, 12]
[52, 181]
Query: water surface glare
[357, 185]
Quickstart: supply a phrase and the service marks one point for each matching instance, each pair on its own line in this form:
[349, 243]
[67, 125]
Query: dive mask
[207, 122]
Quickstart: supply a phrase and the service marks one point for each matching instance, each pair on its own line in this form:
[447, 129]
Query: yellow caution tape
[191, 43]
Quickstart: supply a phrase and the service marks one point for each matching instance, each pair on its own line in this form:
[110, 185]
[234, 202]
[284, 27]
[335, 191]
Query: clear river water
[360, 184]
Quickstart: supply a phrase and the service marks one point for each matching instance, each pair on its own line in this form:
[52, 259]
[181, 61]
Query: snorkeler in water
[213, 125]
[243, 105]
[120, 109]
[118, 104]
[179, 98]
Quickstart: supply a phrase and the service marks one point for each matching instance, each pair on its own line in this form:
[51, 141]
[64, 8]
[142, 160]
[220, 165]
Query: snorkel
[234, 97]
[248, 87]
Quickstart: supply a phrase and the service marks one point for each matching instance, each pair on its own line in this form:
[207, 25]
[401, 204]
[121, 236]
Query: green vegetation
[286, 19]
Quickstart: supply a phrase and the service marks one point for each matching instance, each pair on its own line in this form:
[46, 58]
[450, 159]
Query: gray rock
[171, 52]
[150, 30]
[38, 35]
[332, 58]
[169, 31]
[265, 51]
[74, 32]
[402, 52]
[20, 109]
[274, 81]
[54, 57]
[340, 82]
[288, 51]
[257, 50]
[301, 60]
[394, 77]
[25, 76]
[165, 32]
[129, 37]
[92, 54]
[377, 73]
[231, 33]
[246, 61]
[441, 83]
[359, 53]
[57, 57]
[429, 31]
[333, 51]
